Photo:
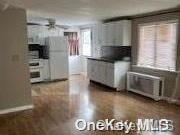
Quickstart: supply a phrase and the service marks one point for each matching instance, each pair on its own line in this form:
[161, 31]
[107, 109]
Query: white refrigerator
[58, 57]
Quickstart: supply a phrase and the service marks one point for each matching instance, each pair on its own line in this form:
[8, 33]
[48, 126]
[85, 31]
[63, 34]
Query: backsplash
[116, 52]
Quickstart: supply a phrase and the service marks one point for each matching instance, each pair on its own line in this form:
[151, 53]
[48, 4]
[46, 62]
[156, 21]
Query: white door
[59, 65]
[58, 44]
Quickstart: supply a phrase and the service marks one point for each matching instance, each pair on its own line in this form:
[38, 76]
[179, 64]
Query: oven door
[36, 75]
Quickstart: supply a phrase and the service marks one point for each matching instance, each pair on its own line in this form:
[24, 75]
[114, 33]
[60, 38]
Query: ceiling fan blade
[34, 24]
[63, 26]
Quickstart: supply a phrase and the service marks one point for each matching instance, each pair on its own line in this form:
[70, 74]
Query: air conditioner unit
[147, 85]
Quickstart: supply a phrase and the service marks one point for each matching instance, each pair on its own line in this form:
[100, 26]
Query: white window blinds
[157, 45]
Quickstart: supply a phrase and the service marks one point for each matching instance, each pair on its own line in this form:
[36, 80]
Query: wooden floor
[59, 104]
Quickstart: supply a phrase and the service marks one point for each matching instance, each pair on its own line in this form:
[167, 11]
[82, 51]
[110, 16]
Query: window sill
[157, 69]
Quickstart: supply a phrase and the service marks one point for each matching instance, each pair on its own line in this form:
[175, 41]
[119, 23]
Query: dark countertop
[104, 59]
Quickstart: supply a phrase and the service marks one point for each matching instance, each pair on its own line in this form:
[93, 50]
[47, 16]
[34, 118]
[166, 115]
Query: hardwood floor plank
[59, 104]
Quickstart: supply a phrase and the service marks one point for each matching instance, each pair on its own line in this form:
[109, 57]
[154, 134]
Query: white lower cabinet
[110, 74]
[110, 77]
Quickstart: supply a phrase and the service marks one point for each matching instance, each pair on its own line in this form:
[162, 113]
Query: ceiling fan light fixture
[52, 23]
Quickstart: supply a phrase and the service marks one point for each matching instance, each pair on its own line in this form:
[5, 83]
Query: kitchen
[43, 42]
[102, 52]
[64, 62]
[112, 45]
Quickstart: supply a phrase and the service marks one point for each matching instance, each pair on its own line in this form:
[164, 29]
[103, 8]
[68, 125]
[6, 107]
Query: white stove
[36, 69]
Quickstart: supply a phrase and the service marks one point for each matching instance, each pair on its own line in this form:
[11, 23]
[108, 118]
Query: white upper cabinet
[112, 34]
[127, 29]
[94, 35]
[97, 34]
[37, 32]
[118, 30]
[109, 34]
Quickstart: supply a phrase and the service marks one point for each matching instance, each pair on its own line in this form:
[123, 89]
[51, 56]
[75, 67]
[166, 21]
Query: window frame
[176, 45]
[84, 30]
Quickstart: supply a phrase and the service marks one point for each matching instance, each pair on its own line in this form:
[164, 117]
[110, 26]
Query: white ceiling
[81, 12]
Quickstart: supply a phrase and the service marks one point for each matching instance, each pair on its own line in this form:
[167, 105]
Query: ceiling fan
[51, 24]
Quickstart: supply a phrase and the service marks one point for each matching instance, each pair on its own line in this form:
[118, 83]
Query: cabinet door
[33, 31]
[126, 33]
[97, 40]
[101, 34]
[101, 72]
[118, 30]
[89, 66]
[97, 71]
[110, 34]
[95, 35]
[92, 70]
[110, 77]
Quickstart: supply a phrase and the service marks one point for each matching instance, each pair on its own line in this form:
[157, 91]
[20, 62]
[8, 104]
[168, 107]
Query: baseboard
[171, 100]
[166, 99]
[16, 109]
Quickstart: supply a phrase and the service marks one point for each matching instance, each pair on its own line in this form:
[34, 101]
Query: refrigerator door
[46, 72]
[59, 68]
[58, 44]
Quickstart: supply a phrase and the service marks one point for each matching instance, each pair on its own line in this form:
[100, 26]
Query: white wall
[14, 79]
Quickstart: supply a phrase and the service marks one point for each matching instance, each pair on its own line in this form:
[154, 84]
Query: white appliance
[46, 74]
[33, 55]
[58, 57]
[36, 70]
[147, 85]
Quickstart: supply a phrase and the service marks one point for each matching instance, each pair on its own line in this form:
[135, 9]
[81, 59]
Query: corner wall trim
[16, 109]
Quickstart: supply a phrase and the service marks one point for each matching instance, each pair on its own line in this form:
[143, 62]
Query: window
[86, 42]
[73, 43]
[157, 45]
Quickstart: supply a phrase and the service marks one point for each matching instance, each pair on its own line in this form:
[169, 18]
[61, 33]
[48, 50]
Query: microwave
[37, 51]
